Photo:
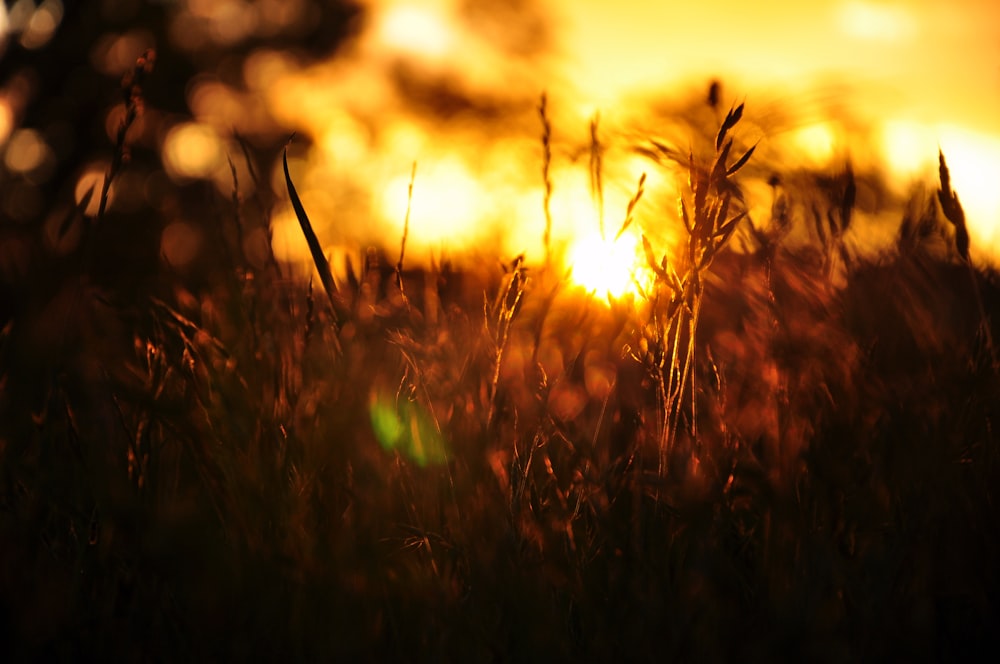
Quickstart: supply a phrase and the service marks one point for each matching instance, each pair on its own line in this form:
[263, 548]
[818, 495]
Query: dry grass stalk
[955, 214]
[630, 210]
[710, 222]
[406, 233]
[546, 175]
[952, 208]
[597, 171]
[132, 94]
[502, 315]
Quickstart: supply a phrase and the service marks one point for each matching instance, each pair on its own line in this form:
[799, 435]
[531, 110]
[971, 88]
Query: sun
[605, 267]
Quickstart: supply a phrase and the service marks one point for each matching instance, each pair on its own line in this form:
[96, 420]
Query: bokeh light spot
[415, 30]
[42, 24]
[192, 150]
[180, 244]
[92, 180]
[815, 144]
[28, 154]
[116, 54]
[6, 120]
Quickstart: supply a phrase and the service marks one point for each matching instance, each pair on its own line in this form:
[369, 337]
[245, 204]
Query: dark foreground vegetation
[784, 452]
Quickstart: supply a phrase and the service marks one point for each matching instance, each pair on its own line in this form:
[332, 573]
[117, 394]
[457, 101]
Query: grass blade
[741, 162]
[319, 259]
[952, 208]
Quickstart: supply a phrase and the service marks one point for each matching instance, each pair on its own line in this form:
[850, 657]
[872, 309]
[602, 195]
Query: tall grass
[772, 457]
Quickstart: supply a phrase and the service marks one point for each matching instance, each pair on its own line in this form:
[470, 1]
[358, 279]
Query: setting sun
[606, 267]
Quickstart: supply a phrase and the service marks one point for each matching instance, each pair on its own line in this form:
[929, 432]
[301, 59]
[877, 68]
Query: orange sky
[939, 61]
[452, 85]
[926, 73]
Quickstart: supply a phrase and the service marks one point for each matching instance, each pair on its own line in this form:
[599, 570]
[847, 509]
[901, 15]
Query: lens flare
[407, 428]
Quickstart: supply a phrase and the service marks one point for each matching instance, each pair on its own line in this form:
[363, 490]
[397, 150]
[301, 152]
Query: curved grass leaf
[319, 259]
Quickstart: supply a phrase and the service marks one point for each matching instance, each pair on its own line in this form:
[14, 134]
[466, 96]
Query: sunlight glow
[876, 21]
[909, 148]
[287, 241]
[973, 158]
[446, 199]
[415, 30]
[446, 85]
[606, 267]
[815, 144]
[974, 163]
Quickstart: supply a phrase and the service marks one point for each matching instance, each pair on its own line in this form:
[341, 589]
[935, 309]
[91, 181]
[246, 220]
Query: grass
[784, 452]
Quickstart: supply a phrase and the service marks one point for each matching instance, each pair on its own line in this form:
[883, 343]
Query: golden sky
[453, 85]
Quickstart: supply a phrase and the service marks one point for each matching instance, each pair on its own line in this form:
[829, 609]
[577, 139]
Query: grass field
[775, 450]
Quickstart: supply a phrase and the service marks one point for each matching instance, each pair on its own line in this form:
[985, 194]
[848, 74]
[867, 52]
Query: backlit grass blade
[952, 208]
[319, 259]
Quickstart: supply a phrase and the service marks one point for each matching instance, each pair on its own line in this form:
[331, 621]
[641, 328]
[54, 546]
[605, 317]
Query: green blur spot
[408, 429]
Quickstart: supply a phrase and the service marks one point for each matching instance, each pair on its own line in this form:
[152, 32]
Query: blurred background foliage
[61, 105]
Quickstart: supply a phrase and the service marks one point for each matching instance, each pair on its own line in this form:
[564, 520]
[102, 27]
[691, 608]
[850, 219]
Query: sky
[454, 84]
[452, 87]
[926, 73]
